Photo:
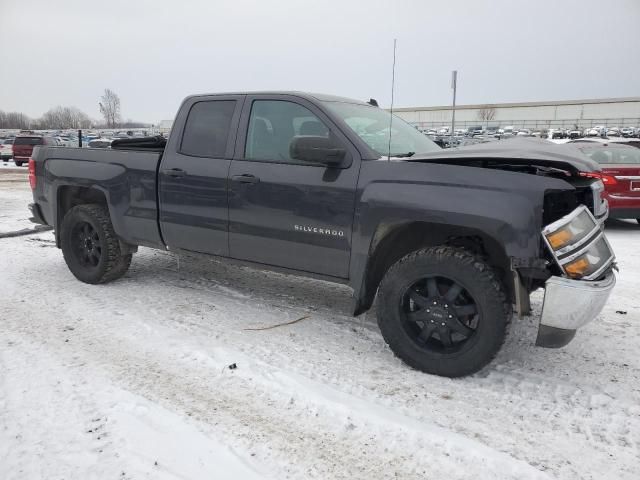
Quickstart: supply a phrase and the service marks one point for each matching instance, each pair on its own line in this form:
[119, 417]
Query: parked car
[474, 130]
[573, 134]
[295, 181]
[631, 142]
[65, 141]
[507, 131]
[613, 132]
[23, 147]
[620, 174]
[557, 133]
[6, 149]
[628, 132]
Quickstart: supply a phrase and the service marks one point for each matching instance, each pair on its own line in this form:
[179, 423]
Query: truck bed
[127, 178]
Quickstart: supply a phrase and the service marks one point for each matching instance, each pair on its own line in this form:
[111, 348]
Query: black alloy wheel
[86, 243]
[440, 315]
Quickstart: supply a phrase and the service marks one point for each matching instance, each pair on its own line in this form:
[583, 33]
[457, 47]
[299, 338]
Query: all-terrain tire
[482, 285]
[111, 263]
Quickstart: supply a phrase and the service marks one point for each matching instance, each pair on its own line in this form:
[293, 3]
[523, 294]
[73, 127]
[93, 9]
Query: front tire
[443, 311]
[90, 246]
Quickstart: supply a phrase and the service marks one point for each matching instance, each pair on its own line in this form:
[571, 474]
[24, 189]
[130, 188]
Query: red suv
[23, 147]
[620, 175]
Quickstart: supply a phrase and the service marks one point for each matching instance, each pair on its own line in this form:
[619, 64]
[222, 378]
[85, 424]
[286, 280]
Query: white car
[100, 143]
[6, 149]
[65, 141]
[507, 131]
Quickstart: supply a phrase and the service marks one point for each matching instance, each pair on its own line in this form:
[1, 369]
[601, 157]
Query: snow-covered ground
[131, 379]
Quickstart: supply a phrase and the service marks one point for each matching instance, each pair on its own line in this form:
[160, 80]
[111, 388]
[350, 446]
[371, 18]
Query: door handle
[245, 178]
[174, 172]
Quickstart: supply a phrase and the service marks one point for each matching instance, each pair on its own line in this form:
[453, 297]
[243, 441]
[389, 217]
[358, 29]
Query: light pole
[454, 84]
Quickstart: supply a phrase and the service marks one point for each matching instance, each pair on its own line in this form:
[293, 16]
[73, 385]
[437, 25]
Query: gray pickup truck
[447, 241]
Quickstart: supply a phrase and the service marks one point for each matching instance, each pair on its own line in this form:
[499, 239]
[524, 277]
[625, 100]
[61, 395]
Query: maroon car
[620, 175]
[23, 147]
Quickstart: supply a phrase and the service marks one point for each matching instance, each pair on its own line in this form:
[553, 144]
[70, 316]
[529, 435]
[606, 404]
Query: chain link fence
[580, 124]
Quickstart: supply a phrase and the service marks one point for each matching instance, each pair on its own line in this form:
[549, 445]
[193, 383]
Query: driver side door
[283, 212]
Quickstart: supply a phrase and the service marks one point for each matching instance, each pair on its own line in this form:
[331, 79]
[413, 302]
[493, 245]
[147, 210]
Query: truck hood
[516, 151]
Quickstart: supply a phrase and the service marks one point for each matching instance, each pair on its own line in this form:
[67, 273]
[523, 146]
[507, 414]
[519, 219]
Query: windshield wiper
[403, 155]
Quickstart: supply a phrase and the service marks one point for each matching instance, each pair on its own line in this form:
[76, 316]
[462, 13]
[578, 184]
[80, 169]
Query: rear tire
[90, 246]
[18, 164]
[443, 311]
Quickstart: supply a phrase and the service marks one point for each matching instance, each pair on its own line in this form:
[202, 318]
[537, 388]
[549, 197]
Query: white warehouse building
[610, 112]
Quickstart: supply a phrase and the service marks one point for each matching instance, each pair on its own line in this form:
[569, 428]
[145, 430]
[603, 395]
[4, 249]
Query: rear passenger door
[192, 180]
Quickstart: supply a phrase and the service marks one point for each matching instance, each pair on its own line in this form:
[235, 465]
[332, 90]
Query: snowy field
[130, 380]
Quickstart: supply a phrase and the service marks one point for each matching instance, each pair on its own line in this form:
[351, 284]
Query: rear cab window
[206, 130]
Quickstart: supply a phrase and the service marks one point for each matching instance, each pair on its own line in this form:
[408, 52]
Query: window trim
[231, 136]
[243, 131]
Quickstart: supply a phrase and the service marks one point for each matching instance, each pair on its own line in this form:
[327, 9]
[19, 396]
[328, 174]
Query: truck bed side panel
[127, 179]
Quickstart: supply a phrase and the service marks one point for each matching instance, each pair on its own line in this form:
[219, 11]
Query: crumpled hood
[519, 151]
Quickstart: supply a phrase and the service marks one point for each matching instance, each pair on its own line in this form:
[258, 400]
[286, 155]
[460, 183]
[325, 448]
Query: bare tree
[487, 113]
[14, 120]
[110, 108]
[64, 118]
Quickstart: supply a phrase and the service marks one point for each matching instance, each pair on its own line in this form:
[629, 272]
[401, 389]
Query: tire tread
[461, 257]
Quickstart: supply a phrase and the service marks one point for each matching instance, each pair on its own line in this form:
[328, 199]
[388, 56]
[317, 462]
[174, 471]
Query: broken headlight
[579, 245]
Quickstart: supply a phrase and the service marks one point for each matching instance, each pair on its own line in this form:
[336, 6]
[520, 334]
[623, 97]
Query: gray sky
[153, 53]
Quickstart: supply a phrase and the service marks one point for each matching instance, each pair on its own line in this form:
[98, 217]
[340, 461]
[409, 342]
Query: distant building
[616, 112]
[165, 126]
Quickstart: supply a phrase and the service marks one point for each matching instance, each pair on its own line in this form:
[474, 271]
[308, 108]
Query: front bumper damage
[582, 253]
[570, 304]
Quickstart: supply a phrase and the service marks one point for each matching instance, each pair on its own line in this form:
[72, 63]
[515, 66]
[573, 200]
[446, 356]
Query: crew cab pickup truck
[446, 241]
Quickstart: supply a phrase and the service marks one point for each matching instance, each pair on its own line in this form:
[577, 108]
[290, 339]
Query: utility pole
[454, 85]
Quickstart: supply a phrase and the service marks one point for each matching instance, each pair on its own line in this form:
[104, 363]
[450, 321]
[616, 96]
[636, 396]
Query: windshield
[371, 124]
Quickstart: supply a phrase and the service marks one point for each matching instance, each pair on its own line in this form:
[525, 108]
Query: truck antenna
[393, 84]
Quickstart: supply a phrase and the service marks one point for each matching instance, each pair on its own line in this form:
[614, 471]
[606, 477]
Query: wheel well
[71, 196]
[392, 243]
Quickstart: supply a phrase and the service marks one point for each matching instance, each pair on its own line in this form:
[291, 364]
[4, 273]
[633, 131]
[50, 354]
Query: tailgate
[22, 150]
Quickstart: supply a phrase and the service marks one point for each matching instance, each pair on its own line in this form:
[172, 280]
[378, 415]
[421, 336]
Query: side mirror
[316, 149]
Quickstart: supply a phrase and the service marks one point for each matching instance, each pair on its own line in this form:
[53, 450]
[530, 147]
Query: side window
[207, 128]
[272, 126]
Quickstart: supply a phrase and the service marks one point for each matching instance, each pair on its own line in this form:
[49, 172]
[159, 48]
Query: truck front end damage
[582, 275]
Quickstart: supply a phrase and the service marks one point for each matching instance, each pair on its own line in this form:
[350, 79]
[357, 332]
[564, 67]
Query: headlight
[589, 261]
[571, 230]
[578, 245]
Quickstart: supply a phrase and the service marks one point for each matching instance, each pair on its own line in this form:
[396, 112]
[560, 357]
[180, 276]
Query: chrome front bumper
[570, 304]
